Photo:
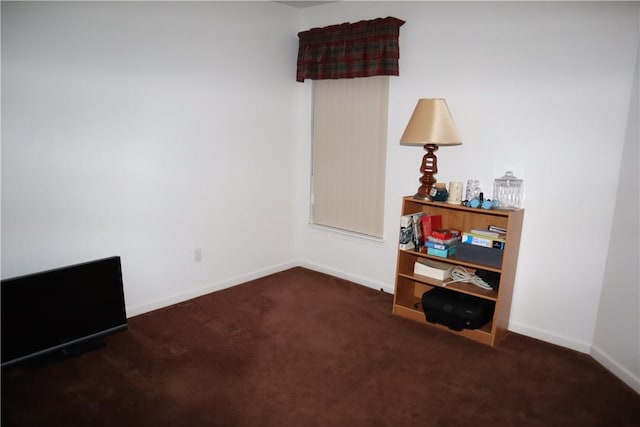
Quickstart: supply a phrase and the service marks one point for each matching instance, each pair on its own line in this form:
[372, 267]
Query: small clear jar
[473, 189]
[507, 191]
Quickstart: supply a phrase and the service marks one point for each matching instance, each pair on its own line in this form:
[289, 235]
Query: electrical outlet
[197, 255]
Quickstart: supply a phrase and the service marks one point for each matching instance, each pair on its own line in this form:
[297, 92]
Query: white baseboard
[207, 289]
[562, 341]
[628, 377]
[350, 277]
[608, 362]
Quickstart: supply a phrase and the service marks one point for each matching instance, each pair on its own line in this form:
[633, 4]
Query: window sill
[345, 233]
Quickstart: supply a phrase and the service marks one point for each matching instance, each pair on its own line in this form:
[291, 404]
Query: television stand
[83, 347]
[64, 353]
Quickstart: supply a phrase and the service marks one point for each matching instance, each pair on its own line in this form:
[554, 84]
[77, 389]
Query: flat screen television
[62, 310]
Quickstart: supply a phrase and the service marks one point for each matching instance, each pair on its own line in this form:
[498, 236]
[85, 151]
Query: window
[349, 153]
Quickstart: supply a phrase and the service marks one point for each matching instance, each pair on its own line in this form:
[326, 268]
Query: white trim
[238, 280]
[616, 368]
[351, 234]
[207, 289]
[373, 284]
[581, 346]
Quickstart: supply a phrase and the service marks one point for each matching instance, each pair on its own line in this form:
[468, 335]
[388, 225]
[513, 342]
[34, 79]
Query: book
[406, 232]
[418, 240]
[497, 228]
[489, 233]
[434, 269]
[443, 253]
[480, 240]
[430, 223]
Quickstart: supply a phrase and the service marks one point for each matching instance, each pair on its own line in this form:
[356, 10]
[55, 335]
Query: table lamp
[431, 126]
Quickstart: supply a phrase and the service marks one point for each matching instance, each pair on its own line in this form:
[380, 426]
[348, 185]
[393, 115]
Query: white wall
[539, 88]
[616, 343]
[148, 130]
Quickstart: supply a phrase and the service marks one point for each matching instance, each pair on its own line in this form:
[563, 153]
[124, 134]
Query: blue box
[442, 253]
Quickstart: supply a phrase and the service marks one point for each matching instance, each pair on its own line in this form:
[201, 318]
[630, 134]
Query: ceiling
[304, 4]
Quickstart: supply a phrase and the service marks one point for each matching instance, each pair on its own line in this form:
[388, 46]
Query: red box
[446, 234]
[430, 223]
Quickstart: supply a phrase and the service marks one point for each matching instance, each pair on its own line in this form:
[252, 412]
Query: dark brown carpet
[300, 348]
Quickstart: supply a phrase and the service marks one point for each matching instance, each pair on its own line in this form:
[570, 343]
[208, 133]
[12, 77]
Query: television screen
[59, 309]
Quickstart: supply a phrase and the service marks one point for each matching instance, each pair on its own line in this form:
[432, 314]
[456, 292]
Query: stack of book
[483, 246]
[433, 269]
[442, 242]
[415, 227]
[493, 237]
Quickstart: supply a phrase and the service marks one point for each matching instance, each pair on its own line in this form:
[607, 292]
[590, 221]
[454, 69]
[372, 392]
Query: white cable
[460, 274]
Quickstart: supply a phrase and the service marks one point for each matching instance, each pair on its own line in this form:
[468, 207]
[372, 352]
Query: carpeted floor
[300, 348]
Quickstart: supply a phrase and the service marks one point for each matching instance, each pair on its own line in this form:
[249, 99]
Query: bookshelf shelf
[410, 287]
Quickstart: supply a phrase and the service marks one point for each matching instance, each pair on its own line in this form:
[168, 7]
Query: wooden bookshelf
[409, 287]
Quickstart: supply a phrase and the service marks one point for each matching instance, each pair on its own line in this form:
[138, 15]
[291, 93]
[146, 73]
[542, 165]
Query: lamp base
[428, 168]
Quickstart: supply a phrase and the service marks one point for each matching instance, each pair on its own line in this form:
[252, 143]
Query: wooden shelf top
[445, 205]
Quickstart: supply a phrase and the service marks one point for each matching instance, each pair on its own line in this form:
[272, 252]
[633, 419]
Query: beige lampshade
[431, 123]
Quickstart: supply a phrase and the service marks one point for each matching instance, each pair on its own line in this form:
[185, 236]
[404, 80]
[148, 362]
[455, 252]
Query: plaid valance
[362, 49]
